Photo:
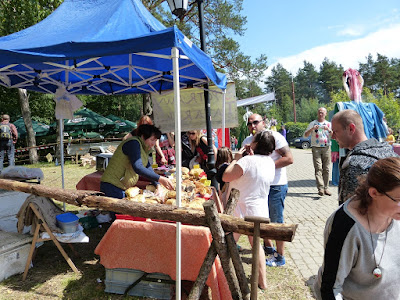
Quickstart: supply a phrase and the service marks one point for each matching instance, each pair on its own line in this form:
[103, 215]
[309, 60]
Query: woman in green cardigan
[130, 160]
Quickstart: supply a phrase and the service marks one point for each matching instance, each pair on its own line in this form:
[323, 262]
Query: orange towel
[150, 247]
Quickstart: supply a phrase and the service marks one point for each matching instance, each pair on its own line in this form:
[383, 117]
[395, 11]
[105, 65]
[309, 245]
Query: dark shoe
[327, 192]
[320, 192]
[269, 250]
[276, 261]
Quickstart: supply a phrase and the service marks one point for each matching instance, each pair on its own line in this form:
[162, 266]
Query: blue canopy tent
[106, 47]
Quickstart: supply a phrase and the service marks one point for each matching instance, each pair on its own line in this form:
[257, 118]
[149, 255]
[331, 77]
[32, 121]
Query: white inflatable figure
[66, 103]
[247, 115]
[353, 84]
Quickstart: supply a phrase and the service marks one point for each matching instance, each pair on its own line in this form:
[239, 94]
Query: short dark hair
[148, 131]
[265, 143]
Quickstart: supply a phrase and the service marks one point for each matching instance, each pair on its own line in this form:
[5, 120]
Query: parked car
[302, 142]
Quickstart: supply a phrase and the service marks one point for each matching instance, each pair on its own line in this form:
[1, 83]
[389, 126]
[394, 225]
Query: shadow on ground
[302, 183]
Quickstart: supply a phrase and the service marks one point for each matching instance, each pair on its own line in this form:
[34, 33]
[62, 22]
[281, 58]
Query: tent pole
[178, 160]
[62, 155]
[210, 155]
[223, 119]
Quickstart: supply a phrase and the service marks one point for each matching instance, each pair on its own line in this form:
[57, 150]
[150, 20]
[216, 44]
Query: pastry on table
[132, 192]
[151, 188]
[138, 198]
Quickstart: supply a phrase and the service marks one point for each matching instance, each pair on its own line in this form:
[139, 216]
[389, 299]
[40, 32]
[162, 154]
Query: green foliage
[306, 111]
[18, 15]
[9, 103]
[286, 109]
[295, 130]
[390, 107]
[330, 78]
[125, 106]
[247, 89]
[306, 82]
[222, 21]
[280, 82]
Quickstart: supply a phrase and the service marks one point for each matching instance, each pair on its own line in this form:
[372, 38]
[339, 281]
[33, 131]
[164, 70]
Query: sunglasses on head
[255, 123]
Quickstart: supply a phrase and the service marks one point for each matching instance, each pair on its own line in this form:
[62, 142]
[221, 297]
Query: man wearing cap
[8, 138]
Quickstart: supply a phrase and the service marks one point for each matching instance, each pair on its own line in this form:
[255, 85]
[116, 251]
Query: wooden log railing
[93, 199]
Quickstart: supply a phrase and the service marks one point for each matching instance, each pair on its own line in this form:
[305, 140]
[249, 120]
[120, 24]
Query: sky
[289, 32]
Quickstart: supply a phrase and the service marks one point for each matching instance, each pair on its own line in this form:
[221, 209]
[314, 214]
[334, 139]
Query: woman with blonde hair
[362, 241]
[199, 146]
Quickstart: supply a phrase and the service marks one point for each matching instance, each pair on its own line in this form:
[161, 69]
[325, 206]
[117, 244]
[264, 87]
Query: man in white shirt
[282, 157]
[321, 132]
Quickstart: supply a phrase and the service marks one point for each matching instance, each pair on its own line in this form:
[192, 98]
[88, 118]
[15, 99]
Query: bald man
[321, 131]
[348, 131]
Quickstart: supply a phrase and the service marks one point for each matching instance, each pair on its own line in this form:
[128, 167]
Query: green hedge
[295, 130]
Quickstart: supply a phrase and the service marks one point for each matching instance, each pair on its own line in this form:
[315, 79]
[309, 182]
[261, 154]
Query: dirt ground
[52, 278]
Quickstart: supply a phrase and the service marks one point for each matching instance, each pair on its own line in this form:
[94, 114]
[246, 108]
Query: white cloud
[349, 54]
[351, 31]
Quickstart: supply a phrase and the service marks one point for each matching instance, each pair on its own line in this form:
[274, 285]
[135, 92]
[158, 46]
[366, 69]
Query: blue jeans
[111, 190]
[335, 173]
[10, 148]
[276, 202]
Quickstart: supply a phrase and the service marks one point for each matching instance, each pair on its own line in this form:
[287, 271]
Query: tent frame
[88, 81]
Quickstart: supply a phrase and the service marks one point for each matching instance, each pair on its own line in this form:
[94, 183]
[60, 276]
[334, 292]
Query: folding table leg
[29, 260]
[52, 237]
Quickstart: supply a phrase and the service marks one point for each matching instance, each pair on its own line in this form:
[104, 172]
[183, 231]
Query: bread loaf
[132, 192]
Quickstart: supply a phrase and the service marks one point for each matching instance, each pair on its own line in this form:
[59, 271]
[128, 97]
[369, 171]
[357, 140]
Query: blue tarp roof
[101, 47]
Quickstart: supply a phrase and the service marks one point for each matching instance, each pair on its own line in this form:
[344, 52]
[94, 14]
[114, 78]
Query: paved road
[304, 207]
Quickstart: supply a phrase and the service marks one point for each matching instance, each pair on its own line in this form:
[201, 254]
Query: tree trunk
[26, 114]
[147, 108]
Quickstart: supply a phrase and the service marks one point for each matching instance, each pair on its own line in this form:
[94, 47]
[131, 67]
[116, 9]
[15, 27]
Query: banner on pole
[193, 109]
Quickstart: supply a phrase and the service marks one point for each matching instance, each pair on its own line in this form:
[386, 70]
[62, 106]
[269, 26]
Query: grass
[52, 278]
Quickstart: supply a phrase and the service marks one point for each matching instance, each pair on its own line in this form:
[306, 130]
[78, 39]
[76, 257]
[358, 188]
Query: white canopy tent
[270, 97]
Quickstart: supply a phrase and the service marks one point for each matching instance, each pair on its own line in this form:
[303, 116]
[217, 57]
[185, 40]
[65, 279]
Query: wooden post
[205, 269]
[238, 265]
[219, 241]
[255, 253]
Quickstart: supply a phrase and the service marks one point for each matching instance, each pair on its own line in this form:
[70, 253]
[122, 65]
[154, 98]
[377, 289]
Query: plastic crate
[117, 280]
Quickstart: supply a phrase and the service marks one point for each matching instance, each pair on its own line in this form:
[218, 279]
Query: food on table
[138, 198]
[197, 203]
[170, 202]
[132, 192]
[151, 188]
[193, 193]
[170, 195]
[196, 172]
